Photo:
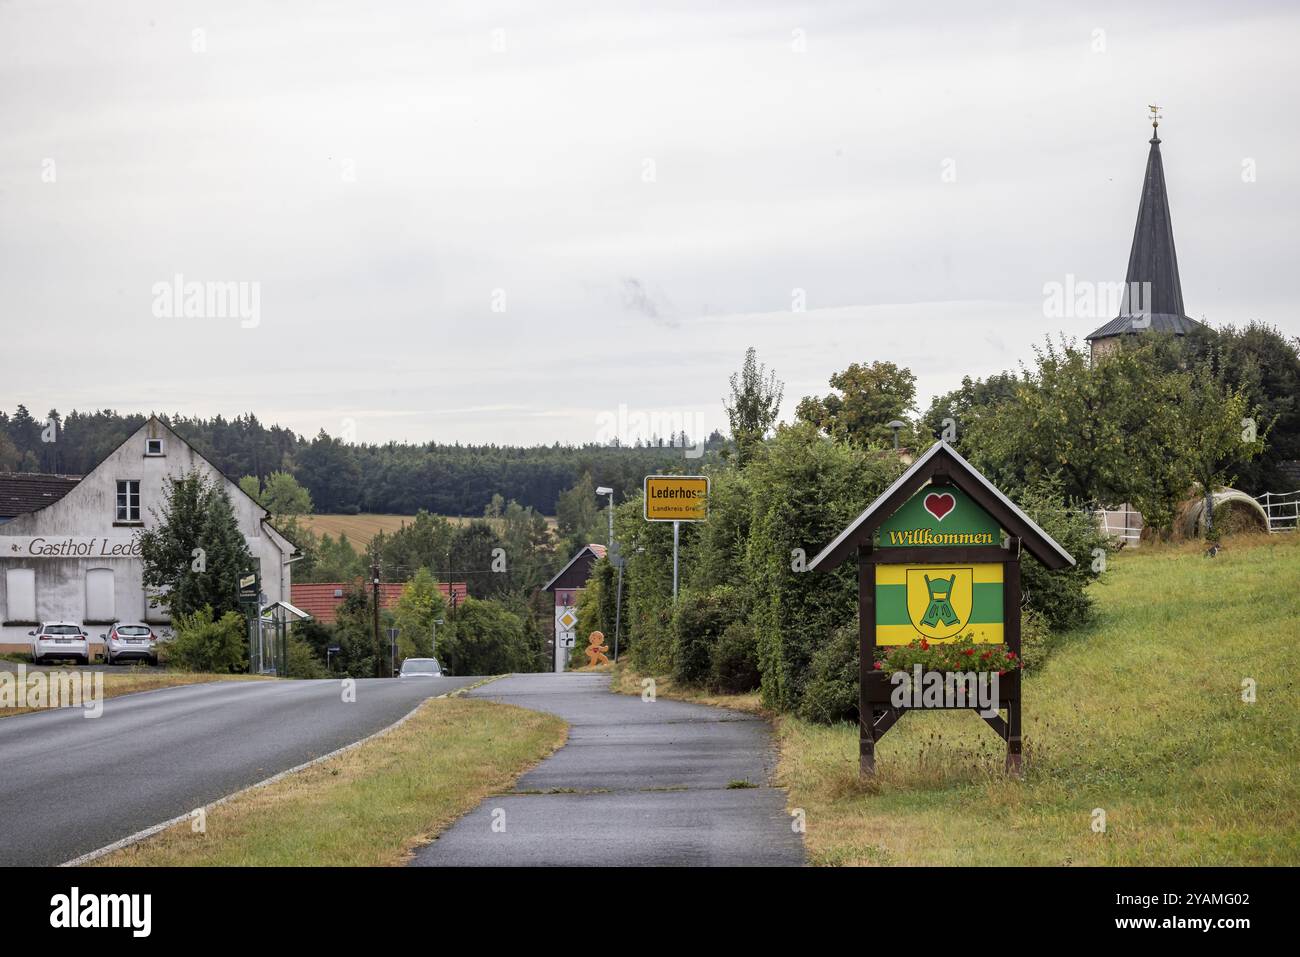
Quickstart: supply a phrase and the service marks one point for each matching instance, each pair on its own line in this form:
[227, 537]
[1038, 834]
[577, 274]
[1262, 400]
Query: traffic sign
[676, 498]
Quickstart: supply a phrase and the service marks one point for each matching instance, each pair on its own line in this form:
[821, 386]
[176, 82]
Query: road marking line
[139, 836]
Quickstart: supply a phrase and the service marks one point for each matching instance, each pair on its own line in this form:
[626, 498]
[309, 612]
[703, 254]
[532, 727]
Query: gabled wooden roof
[942, 463]
[598, 551]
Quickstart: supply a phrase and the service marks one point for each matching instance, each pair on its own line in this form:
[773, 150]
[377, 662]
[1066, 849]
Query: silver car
[420, 668]
[130, 642]
[60, 639]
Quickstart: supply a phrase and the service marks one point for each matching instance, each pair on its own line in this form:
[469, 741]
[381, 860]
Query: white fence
[1282, 509]
[1120, 525]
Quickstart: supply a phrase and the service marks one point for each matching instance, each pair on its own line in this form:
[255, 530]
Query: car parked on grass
[130, 642]
[420, 668]
[59, 639]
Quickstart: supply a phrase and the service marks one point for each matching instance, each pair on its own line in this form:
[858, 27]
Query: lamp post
[606, 490]
[896, 425]
[433, 637]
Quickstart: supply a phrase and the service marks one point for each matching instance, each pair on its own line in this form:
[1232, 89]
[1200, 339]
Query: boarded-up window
[100, 595]
[20, 587]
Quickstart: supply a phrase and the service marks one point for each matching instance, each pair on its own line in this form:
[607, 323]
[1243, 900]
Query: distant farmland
[360, 529]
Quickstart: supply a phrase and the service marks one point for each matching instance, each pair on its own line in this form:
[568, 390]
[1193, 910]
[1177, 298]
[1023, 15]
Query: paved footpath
[638, 783]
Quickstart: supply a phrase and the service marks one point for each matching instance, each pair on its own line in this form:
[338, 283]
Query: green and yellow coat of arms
[939, 602]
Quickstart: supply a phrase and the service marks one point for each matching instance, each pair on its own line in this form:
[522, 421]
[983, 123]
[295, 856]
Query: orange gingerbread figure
[596, 649]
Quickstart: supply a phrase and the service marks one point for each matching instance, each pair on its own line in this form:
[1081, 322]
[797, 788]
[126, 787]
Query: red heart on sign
[939, 505]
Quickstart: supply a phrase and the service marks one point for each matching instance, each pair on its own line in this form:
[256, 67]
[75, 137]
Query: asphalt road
[637, 783]
[70, 785]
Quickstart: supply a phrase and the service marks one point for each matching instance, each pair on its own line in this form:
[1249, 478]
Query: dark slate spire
[1152, 259]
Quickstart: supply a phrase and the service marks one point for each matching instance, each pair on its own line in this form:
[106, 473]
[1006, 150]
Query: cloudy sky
[501, 222]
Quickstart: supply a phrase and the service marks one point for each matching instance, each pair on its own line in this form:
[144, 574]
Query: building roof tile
[23, 492]
[321, 600]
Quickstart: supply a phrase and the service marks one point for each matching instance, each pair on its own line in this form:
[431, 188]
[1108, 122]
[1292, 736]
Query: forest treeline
[394, 478]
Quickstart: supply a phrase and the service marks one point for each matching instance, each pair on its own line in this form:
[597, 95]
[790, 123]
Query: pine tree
[196, 553]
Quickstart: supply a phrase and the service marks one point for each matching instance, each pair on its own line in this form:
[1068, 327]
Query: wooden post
[866, 658]
[1011, 635]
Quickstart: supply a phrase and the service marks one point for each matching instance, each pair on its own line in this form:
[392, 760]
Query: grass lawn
[1139, 714]
[132, 681]
[371, 805]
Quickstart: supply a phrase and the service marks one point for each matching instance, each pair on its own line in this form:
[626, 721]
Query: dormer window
[153, 446]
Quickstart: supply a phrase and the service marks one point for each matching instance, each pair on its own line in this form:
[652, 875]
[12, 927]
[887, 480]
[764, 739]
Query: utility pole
[379, 649]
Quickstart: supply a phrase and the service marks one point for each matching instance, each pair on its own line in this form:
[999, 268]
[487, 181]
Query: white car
[420, 668]
[60, 639]
[130, 641]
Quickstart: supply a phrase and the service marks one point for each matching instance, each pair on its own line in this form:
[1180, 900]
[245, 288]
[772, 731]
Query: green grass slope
[1139, 714]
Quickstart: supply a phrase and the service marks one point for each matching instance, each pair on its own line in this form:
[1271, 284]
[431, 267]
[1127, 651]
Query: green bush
[831, 692]
[651, 650]
[805, 489]
[484, 638]
[1035, 639]
[207, 645]
[1059, 597]
[698, 623]
[733, 664]
[303, 662]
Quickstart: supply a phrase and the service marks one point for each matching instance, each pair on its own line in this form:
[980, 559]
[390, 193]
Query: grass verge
[369, 806]
[626, 681]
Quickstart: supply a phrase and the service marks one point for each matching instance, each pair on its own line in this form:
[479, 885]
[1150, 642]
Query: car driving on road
[59, 639]
[420, 668]
[130, 642]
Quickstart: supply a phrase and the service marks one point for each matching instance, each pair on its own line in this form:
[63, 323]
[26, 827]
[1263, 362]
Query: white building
[68, 549]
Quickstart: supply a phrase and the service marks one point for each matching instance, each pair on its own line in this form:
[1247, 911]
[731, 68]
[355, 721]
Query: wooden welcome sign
[938, 559]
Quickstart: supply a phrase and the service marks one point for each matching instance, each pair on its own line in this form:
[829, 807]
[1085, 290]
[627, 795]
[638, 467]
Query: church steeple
[1152, 258]
[1153, 297]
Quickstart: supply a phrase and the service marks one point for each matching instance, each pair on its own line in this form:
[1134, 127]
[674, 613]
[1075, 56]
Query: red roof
[321, 600]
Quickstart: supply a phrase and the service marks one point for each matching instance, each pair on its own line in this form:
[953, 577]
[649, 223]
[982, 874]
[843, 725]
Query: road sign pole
[618, 609]
[677, 528]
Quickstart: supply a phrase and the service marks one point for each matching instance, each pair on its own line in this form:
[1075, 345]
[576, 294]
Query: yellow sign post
[676, 498]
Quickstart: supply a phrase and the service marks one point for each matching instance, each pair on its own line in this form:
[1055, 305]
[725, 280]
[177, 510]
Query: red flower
[987, 655]
[925, 645]
[1002, 672]
[970, 651]
[879, 665]
[1011, 654]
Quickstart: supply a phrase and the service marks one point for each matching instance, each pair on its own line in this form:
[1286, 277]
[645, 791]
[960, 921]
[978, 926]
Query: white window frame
[150, 452]
[119, 507]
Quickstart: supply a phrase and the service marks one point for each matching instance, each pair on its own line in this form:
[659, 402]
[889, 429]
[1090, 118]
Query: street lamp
[606, 490]
[433, 638]
[896, 425]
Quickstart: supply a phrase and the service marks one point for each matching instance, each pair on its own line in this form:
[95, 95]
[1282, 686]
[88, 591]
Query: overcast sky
[487, 222]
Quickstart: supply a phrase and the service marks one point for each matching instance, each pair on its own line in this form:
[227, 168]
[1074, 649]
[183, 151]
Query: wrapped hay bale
[1235, 512]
